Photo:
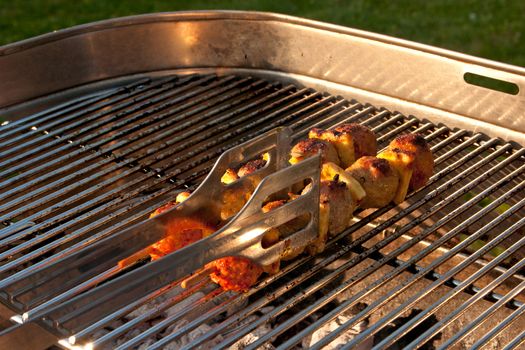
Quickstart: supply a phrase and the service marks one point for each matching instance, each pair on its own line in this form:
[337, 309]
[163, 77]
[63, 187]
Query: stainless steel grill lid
[443, 268]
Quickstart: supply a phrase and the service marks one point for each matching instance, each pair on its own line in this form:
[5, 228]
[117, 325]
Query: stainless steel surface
[97, 156]
[385, 71]
[38, 286]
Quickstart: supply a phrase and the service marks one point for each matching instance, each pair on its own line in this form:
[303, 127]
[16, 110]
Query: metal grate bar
[302, 132]
[407, 124]
[53, 113]
[395, 335]
[48, 187]
[390, 121]
[95, 146]
[321, 302]
[328, 120]
[517, 341]
[481, 318]
[55, 137]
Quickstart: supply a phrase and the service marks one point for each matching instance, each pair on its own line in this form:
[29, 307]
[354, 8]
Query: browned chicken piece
[285, 229]
[423, 166]
[271, 237]
[180, 233]
[341, 204]
[364, 139]
[336, 208]
[181, 197]
[331, 171]
[413, 160]
[319, 244]
[234, 273]
[378, 178]
[229, 176]
[234, 200]
[310, 147]
[251, 167]
[342, 142]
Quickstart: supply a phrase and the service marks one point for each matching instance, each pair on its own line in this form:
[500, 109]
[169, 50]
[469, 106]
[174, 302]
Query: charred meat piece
[180, 233]
[342, 142]
[378, 178]
[336, 195]
[411, 157]
[234, 273]
[251, 167]
[330, 171]
[363, 138]
[235, 199]
[336, 208]
[423, 166]
[271, 237]
[231, 175]
[310, 147]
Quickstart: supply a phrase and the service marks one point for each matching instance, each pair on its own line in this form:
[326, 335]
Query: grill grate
[90, 167]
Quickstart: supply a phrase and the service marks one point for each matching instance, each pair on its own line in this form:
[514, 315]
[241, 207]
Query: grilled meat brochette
[370, 182]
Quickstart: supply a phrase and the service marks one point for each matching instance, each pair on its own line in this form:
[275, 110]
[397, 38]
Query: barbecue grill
[107, 121]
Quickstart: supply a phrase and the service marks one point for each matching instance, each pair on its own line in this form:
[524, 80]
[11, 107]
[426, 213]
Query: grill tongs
[241, 236]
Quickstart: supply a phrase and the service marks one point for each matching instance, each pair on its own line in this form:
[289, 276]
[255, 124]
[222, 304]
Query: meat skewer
[367, 182]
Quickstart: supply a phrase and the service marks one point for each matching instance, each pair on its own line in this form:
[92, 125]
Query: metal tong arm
[87, 258]
[241, 237]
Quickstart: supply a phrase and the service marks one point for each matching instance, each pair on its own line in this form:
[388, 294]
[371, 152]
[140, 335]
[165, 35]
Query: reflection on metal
[124, 131]
[385, 71]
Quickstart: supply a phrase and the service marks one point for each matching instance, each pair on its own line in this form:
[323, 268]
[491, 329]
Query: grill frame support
[293, 78]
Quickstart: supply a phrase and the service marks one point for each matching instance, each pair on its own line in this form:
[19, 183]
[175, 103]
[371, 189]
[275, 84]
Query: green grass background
[493, 29]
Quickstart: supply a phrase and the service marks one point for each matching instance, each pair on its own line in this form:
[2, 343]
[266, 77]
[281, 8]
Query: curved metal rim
[207, 15]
